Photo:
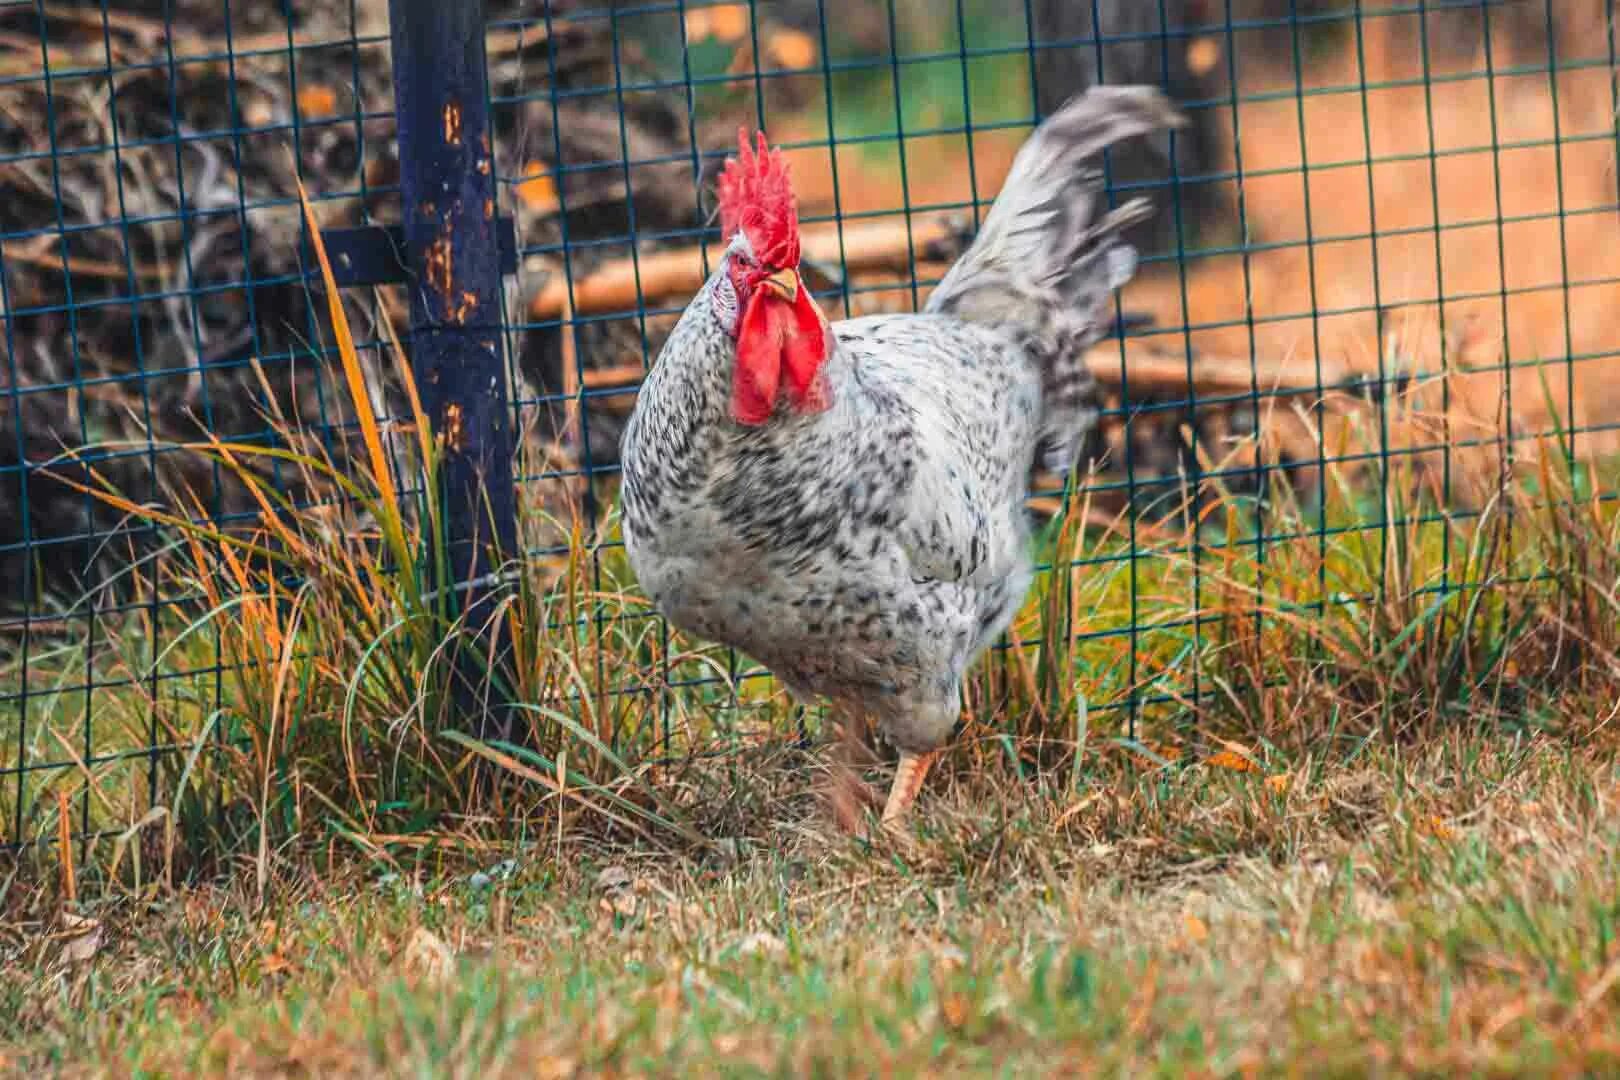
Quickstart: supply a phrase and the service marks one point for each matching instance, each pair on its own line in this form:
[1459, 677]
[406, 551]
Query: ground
[1433, 911]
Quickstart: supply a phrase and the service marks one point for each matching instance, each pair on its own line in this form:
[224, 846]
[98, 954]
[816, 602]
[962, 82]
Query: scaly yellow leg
[908, 780]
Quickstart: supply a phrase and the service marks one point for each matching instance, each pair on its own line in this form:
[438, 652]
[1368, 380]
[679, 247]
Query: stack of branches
[142, 266]
[150, 256]
[153, 289]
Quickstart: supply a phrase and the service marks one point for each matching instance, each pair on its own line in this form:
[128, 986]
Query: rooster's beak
[784, 283]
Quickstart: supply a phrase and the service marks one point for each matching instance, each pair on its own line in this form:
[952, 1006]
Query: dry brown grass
[1433, 911]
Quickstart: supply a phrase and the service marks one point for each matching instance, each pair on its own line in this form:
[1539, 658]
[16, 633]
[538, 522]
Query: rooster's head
[783, 342]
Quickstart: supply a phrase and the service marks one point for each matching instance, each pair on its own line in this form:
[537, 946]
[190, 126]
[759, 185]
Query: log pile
[150, 254]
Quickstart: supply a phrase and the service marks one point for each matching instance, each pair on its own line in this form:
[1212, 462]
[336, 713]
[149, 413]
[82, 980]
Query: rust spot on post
[453, 428]
[440, 265]
[452, 123]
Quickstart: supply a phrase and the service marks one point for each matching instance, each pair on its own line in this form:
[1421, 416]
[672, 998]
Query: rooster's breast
[784, 542]
[843, 619]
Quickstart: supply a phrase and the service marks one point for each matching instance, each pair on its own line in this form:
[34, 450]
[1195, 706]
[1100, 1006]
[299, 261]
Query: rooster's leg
[847, 791]
[908, 780]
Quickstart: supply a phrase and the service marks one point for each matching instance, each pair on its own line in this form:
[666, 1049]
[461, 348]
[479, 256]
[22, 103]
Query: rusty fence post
[453, 256]
[451, 251]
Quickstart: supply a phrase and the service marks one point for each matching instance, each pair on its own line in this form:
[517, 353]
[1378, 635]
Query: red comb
[755, 194]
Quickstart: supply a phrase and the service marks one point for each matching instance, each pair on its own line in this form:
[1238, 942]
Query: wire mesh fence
[1382, 282]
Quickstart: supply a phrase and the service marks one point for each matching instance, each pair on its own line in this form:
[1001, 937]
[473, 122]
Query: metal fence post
[454, 247]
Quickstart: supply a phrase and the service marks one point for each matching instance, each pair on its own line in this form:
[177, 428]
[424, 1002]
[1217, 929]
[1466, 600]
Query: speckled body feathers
[868, 552]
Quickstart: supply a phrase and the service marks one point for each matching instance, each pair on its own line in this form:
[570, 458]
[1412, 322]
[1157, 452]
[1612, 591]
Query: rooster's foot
[908, 781]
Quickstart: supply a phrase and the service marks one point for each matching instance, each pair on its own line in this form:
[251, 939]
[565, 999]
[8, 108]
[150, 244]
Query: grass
[1449, 908]
[1322, 787]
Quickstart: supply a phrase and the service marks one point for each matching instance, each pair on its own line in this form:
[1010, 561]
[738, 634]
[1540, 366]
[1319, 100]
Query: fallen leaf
[1067, 815]
[258, 113]
[427, 956]
[1202, 55]
[539, 188]
[1231, 760]
[761, 942]
[553, 1068]
[1194, 929]
[1435, 827]
[729, 22]
[618, 902]
[81, 938]
[726, 22]
[613, 878]
[317, 100]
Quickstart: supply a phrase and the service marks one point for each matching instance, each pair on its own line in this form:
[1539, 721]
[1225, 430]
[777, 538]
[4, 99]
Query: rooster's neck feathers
[757, 197]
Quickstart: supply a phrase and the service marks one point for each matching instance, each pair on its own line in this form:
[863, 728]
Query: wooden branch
[1147, 371]
[619, 376]
[661, 275]
[44, 257]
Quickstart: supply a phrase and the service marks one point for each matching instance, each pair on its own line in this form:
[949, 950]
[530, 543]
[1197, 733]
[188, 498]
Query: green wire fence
[1386, 247]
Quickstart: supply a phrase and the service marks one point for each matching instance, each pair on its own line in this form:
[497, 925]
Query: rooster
[845, 503]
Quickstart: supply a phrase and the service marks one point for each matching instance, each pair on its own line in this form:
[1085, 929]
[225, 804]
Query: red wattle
[805, 355]
[759, 363]
[777, 339]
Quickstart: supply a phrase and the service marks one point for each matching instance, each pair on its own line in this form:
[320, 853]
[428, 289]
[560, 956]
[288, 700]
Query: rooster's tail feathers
[1045, 265]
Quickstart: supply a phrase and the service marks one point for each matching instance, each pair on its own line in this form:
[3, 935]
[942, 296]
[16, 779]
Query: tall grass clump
[315, 686]
[1386, 607]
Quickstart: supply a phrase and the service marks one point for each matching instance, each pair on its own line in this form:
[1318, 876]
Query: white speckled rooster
[845, 503]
